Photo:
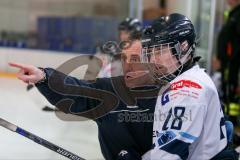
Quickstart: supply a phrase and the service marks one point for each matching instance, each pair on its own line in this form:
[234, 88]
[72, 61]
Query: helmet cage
[168, 71]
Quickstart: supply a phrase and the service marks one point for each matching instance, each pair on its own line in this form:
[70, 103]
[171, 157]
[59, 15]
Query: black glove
[129, 154]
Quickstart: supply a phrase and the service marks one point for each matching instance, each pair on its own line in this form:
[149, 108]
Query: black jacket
[122, 128]
[228, 50]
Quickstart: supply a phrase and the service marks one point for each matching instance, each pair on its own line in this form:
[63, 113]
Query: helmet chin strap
[184, 59]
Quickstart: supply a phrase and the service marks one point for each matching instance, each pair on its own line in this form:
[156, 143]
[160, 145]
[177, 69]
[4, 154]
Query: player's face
[123, 35]
[163, 57]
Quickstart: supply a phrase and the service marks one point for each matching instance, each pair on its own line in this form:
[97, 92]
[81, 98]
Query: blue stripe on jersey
[177, 147]
[188, 136]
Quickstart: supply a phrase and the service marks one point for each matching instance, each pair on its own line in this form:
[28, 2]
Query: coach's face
[135, 73]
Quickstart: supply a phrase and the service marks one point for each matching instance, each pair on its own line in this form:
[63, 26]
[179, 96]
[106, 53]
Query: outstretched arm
[61, 87]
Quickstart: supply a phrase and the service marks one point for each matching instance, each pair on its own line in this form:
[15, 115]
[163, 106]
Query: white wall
[38, 58]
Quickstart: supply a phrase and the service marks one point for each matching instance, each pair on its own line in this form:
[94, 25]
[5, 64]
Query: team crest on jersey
[181, 88]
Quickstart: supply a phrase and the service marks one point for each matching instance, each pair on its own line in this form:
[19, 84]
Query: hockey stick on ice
[39, 140]
[49, 109]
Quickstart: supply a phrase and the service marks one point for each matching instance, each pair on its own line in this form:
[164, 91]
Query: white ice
[21, 108]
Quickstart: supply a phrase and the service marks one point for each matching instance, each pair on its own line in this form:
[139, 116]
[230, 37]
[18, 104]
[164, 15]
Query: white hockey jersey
[188, 120]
